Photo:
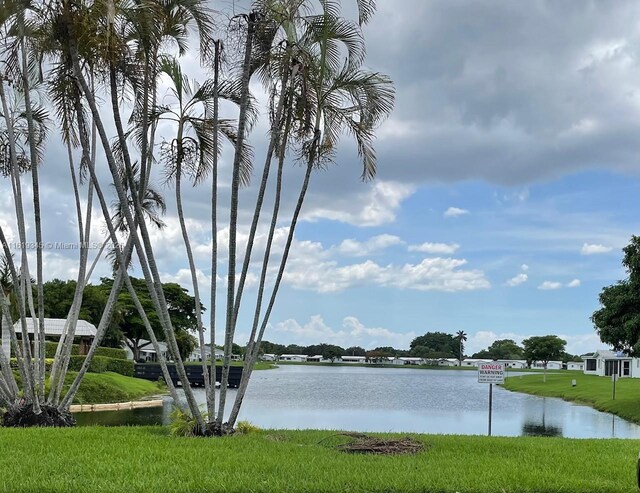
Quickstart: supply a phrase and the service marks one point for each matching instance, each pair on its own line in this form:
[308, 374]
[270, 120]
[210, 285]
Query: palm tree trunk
[249, 360]
[233, 217]
[39, 334]
[5, 365]
[151, 274]
[275, 138]
[28, 381]
[283, 263]
[305, 184]
[211, 395]
[154, 341]
[122, 258]
[192, 264]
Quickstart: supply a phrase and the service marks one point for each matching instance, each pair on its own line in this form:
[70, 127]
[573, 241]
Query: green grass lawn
[145, 459]
[592, 390]
[99, 388]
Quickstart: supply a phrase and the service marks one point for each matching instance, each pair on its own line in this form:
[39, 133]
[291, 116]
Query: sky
[507, 185]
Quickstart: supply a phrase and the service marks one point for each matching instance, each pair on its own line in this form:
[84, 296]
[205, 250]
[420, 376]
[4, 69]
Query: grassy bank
[591, 390]
[100, 388]
[95, 460]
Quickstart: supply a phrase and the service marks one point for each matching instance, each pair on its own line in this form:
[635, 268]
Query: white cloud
[372, 245]
[524, 267]
[435, 248]
[378, 205]
[455, 212]
[574, 284]
[352, 333]
[517, 280]
[589, 249]
[432, 274]
[550, 285]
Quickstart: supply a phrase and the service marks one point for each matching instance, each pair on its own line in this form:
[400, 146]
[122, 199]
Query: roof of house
[606, 354]
[55, 326]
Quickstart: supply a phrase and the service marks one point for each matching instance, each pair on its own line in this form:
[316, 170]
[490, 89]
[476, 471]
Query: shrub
[122, 366]
[182, 424]
[110, 352]
[246, 428]
[102, 364]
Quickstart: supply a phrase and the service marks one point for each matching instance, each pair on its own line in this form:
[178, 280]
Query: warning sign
[491, 373]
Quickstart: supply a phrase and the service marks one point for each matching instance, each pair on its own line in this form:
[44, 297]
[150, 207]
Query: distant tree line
[436, 345]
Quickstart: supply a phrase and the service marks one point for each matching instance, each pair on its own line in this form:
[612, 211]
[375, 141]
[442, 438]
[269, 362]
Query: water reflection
[538, 423]
[396, 400]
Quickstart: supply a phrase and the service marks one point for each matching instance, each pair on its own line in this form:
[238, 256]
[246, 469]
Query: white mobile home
[315, 359]
[575, 365]
[551, 365]
[354, 359]
[474, 361]
[517, 364]
[269, 357]
[412, 361]
[605, 363]
[448, 362]
[297, 358]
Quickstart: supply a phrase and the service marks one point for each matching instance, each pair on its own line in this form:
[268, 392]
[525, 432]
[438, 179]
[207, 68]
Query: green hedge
[102, 364]
[110, 352]
[99, 364]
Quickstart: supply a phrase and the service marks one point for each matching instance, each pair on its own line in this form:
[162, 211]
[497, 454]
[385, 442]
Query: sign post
[490, 373]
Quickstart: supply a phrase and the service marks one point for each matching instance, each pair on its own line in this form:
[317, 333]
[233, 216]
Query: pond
[394, 400]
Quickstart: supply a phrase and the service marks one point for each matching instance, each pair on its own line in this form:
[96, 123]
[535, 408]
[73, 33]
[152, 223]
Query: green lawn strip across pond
[592, 390]
[146, 459]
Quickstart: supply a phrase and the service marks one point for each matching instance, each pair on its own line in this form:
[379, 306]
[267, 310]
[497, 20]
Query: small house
[575, 365]
[354, 359]
[85, 332]
[295, 358]
[605, 363]
[315, 359]
[516, 364]
[448, 362]
[412, 361]
[269, 357]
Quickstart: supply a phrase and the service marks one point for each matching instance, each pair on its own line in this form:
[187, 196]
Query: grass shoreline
[146, 459]
[590, 390]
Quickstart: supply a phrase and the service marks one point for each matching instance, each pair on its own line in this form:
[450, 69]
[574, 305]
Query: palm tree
[341, 99]
[462, 337]
[192, 152]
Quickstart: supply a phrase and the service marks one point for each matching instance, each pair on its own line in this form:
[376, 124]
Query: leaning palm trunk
[39, 334]
[63, 351]
[211, 395]
[250, 359]
[150, 272]
[19, 280]
[192, 264]
[144, 248]
[233, 217]
[285, 255]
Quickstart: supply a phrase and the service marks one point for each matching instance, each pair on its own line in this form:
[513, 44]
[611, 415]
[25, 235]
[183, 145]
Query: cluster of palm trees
[62, 59]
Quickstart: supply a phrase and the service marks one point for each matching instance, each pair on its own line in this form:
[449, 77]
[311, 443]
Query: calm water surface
[395, 400]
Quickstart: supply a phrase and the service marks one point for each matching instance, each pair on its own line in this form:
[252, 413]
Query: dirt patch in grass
[360, 443]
